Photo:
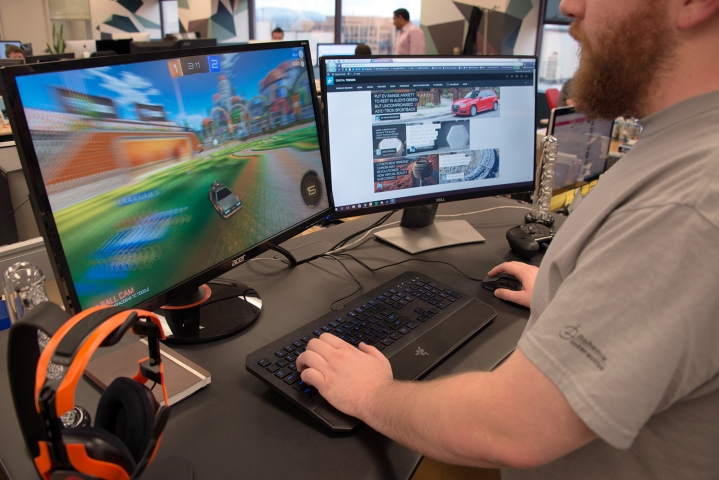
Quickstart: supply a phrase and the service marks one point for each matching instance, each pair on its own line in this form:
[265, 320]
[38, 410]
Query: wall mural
[225, 20]
[125, 16]
[511, 30]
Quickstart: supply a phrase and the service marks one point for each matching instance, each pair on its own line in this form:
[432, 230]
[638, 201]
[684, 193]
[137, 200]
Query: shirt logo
[420, 351]
[584, 345]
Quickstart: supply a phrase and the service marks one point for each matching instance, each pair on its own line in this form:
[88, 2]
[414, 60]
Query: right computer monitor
[416, 131]
[583, 147]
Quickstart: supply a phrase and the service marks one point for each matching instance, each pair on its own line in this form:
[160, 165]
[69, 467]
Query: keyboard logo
[420, 351]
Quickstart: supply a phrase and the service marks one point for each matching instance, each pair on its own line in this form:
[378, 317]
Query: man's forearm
[436, 419]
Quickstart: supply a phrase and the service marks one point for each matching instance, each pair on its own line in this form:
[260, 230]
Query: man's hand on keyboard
[345, 376]
[526, 274]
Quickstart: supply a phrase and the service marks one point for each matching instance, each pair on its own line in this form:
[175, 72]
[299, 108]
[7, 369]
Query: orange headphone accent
[129, 421]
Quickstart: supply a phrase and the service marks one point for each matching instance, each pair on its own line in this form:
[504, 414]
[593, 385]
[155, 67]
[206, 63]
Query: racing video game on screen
[158, 170]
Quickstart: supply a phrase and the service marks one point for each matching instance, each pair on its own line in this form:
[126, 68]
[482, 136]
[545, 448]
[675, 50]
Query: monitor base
[216, 311]
[436, 235]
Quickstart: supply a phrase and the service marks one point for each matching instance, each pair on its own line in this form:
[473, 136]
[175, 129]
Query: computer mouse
[503, 280]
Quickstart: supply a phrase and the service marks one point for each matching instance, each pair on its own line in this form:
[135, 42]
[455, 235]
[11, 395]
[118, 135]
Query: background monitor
[197, 43]
[121, 47]
[135, 37]
[81, 48]
[327, 49]
[149, 174]
[159, 46]
[5, 62]
[583, 147]
[416, 131]
[49, 57]
[5, 43]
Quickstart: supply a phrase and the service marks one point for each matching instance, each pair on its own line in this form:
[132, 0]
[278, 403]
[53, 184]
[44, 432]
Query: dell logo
[440, 200]
[421, 351]
[237, 261]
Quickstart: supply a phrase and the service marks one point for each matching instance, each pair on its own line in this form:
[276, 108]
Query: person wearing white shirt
[410, 38]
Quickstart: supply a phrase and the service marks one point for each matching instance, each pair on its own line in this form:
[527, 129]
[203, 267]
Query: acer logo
[238, 260]
[440, 200]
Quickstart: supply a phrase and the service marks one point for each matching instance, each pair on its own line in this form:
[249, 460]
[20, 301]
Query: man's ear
[695, 12]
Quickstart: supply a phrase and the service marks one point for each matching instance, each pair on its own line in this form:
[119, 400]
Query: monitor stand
[418, 232]
[215, 310]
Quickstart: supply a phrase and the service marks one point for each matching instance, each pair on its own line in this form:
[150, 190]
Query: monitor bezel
[429, 199]
[333, 56]
[39, 199]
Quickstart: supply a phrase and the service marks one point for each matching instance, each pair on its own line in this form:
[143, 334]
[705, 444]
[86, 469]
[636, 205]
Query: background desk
[238, 428]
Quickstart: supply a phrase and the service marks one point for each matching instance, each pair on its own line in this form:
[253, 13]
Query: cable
[349, 246]
[18, 207]
[485, 210]
[360, 286]
[374, 225]
[405, 261]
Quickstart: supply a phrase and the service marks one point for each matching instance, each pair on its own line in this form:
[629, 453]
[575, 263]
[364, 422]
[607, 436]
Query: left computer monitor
[6, 62]
[197, 43]
[49, 57]
[159, 46]
[120, 47]
[81, 48]
[4, 44]
[152, 174]
[135, 37]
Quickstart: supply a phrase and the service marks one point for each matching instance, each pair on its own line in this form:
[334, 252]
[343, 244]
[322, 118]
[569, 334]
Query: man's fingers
[511, 296]
[332, 340]
[311, 359]
[313, 377]
[497, 270]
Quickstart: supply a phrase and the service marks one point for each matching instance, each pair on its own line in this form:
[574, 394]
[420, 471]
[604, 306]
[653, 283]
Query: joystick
[525, 239]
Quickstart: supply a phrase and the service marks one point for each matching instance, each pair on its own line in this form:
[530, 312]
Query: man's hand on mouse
[347, 377]
[525, 274]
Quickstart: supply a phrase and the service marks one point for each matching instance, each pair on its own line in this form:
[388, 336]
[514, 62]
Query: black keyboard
[414, 320]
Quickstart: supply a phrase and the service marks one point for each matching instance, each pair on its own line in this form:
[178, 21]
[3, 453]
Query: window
[370, 22]
[312, 20]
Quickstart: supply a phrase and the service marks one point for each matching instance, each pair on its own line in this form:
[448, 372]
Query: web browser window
[402, 129]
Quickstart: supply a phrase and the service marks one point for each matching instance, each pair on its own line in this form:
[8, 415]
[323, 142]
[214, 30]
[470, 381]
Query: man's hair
[13, 49]
[363, 49]
[402, 12]
[278, 30]
[170, 38]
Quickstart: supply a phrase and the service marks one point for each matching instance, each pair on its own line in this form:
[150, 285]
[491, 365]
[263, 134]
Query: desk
[239, 428]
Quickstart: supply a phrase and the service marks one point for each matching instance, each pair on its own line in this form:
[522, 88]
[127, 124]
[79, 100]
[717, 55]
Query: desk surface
[239, 427]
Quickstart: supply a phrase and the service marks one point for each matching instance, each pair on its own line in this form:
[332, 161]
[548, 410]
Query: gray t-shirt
[625, 309]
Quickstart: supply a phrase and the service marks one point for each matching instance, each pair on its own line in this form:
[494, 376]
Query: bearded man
[617, 373]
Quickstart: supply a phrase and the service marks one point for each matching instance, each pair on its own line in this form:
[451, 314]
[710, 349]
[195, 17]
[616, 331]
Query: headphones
[128, 421]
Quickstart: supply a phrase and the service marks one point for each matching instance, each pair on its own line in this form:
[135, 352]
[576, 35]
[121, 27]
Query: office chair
[552, 97]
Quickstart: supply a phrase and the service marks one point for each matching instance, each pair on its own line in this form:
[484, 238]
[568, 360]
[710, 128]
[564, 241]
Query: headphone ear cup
[101, 445]
[127, 411]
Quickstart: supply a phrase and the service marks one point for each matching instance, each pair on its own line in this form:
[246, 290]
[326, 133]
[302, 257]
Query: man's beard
[618, 73]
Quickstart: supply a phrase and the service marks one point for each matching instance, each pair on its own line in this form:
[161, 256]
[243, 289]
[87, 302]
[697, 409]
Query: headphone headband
[40, 401]
[76, 341]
